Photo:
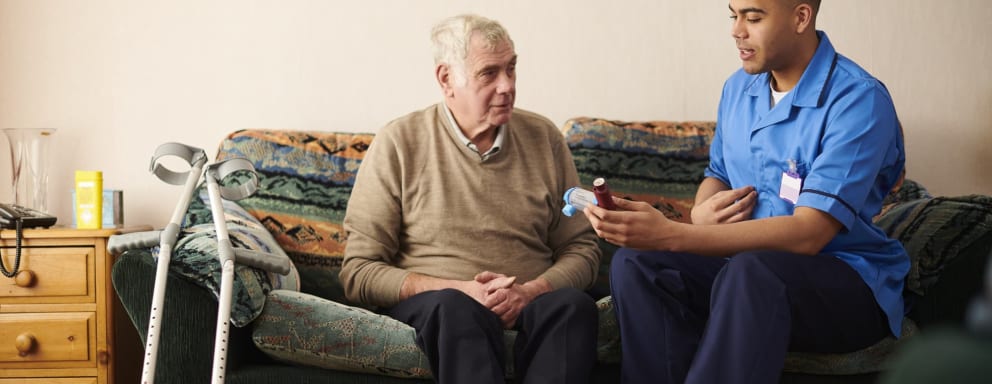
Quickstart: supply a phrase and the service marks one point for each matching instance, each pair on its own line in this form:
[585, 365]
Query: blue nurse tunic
[838, 133]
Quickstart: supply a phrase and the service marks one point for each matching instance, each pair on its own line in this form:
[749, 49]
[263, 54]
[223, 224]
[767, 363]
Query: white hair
[451, 38]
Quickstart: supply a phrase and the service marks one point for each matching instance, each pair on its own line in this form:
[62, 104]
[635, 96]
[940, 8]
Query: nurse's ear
[804, 17]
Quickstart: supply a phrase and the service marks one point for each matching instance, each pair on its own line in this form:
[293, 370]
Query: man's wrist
[538, 286]
[408, 287]
[416, 283]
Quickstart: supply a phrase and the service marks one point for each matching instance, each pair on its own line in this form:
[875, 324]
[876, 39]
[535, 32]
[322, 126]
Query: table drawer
[45, 337]
[52, 273]
[51, 380]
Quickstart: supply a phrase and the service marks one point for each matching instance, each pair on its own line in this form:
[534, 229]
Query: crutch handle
[117, 244]
[263, 260]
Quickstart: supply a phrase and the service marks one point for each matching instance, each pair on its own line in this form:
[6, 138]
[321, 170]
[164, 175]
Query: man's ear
[443, 74]
[804, 18]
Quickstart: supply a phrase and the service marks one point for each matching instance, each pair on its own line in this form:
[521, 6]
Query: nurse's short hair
[451, 37]
[815, 4]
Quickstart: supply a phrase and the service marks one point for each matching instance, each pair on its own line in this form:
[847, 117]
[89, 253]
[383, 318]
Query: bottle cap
[89, 175]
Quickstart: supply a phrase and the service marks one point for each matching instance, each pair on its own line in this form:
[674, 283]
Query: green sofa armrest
[185, 352]
[188, 329]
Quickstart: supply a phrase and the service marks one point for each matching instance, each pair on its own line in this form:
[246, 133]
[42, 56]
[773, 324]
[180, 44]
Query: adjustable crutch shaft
[196, 158]
[225, 251]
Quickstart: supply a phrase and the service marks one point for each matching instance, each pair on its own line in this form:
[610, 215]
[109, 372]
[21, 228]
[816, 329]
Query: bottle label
[89, 196]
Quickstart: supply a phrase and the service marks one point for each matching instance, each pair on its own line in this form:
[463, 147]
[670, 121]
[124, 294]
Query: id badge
[791, 185]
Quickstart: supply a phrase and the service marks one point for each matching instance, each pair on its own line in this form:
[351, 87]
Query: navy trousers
[696, 319]
[463, 340]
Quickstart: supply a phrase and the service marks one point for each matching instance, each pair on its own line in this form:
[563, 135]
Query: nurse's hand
[729, 206]
[634, 224]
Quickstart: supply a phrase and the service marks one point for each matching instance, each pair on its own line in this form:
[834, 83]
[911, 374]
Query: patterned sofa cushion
[305, 179]
[308, 330]
[660, 162]
[195, 256]
[303, 329]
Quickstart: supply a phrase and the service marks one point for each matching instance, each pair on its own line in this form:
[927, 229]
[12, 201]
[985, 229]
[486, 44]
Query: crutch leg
[196, 158]
[214, 175]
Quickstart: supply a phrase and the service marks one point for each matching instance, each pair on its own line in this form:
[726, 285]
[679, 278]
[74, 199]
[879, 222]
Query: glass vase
[30, 154]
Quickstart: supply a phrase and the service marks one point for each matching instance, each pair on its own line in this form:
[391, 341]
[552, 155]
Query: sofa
[300, 328]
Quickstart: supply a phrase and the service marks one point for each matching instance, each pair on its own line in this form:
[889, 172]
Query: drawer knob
[25, 344]
[25, 279]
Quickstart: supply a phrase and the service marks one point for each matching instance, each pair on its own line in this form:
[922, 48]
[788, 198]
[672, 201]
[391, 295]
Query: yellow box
[89, 199]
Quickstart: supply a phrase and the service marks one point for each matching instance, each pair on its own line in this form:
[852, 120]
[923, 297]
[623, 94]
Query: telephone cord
[17, 256]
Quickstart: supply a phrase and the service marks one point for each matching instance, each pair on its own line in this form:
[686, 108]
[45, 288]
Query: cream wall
[119, 77]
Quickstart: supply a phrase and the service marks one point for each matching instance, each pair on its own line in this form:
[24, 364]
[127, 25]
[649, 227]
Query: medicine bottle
[603, 196]
[89, 199]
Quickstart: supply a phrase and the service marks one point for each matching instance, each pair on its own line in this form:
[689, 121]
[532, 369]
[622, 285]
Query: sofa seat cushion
[195, 256]
[868, 360]
[299, 328]
[305, 179]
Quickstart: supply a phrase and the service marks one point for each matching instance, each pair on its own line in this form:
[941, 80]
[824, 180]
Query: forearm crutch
[216, 174]
[167, 239]
[196, 158]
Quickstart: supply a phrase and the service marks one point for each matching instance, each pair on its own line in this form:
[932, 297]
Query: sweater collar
[497, 143]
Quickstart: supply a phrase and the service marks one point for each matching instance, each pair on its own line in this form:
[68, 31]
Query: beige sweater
[423, 202]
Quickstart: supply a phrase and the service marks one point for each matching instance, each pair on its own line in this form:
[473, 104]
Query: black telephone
[29, 218]
[18, 217]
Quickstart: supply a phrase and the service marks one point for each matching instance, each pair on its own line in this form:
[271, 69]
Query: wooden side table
[57, 314]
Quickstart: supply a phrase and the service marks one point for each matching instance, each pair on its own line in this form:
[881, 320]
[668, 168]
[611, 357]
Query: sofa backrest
[660, 162]
[305, 179]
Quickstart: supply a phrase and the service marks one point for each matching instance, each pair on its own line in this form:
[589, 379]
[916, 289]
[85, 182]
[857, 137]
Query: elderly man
[455, 224]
